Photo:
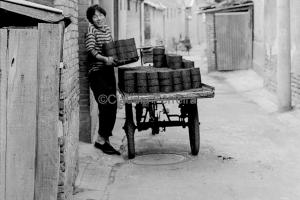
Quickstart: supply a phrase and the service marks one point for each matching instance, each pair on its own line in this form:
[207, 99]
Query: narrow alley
[248, 150]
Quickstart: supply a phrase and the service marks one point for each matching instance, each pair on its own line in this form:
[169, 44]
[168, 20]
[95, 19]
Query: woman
[101, 76]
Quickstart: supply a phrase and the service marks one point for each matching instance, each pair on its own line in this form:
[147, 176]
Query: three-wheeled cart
[147, 115]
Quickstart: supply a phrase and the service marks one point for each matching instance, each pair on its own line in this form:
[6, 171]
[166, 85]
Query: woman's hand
[109, 61]
[106, 60]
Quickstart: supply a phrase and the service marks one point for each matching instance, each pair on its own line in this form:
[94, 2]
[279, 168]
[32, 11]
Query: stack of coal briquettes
[141, 82]
[126, 49]
[165, 81]
[153, 81]
[159, 58]
[170, 73]
[177, 81]
[123, 51]
[174, 61]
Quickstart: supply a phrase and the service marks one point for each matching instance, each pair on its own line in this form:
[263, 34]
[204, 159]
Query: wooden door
[3, 108]
[233, 41]
[20, 97]
[29, 83]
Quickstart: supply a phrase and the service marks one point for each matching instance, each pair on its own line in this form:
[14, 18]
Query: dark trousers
[103, 85]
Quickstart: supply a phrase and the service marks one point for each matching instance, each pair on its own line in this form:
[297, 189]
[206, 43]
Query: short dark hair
[91, 12]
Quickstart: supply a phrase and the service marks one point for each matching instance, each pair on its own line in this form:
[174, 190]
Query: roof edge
[224, 8]
[34, 5]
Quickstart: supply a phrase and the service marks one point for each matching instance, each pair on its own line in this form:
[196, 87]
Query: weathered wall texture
[270, 47]
[194, 26]
[265, 47]
[201, 29]
[154, 25]
[85, 116]
[211, 43]
[133, 23]
[174, 22]
[69, 98]
[295, 51]
[258, 43]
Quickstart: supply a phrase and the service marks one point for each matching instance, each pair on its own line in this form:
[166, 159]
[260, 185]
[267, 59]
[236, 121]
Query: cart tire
[155, 130]
[194, 131]
[130, 143]
[129, 130]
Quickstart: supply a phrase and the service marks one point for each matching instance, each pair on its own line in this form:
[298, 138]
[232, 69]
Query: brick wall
[295, 51]
[85, 133]
[69, 98]
[211, 44]
[295, 88]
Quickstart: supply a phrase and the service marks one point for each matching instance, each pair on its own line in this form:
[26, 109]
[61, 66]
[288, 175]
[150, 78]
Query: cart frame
[188, 111]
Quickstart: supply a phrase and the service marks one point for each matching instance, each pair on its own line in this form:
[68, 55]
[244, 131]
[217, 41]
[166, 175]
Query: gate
[233, 40]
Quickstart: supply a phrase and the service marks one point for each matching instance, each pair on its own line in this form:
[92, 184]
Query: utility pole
[284, 55]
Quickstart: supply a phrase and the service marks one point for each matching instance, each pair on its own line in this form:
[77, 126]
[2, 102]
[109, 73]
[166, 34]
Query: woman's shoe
[106, 148]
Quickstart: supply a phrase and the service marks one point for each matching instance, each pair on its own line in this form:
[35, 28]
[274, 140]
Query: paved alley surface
[248, 151]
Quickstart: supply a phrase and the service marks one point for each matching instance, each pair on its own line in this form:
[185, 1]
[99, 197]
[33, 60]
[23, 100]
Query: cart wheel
[130, 142]
[129, 130]
[155, 130]
[194, 131]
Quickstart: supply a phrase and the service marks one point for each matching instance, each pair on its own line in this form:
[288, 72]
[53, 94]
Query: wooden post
[3, 92]
[47, 161]
[284, 56]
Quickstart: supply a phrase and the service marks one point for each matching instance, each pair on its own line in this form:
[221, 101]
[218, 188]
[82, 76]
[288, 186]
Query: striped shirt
[95, 38]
